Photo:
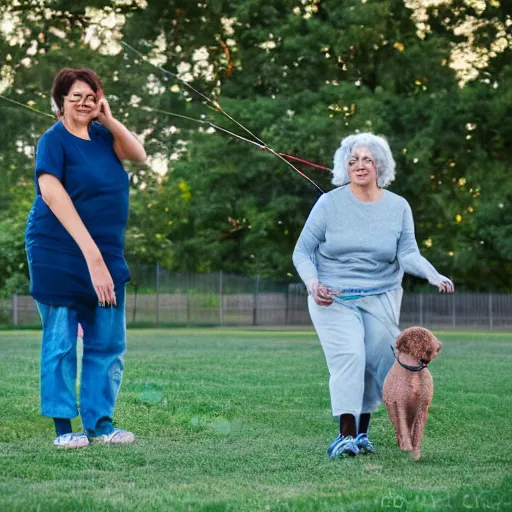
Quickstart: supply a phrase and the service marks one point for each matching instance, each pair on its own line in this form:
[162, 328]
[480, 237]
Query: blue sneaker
[341, 446]
[364, 444]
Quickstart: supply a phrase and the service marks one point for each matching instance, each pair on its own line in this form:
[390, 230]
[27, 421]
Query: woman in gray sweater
[352, 254]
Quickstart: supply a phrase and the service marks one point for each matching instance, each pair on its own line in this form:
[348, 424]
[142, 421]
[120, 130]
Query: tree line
[301, 75]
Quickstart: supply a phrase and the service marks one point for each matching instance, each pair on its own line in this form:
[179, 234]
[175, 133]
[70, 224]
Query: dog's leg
[405, 433]
[418, 429]
[392, 408]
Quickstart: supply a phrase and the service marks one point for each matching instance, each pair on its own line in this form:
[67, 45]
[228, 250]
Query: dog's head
[419, 343]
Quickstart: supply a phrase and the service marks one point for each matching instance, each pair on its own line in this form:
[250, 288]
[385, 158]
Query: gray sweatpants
[356, 336]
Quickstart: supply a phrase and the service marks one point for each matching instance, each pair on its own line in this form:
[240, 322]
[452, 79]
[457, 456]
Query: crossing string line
[255, 140]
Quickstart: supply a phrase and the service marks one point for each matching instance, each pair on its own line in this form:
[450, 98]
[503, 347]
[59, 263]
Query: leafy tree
[301, 75]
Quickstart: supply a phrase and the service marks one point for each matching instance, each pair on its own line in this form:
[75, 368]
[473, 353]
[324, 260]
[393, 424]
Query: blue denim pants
[104, 344]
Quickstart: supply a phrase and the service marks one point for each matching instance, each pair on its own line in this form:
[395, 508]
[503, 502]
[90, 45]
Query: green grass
[239, 420]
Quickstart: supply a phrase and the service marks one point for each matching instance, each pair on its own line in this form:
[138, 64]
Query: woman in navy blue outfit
[75, 249]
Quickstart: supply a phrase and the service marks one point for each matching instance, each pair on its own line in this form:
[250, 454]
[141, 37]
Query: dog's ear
[403, 341]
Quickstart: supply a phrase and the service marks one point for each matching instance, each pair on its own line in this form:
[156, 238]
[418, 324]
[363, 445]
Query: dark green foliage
[301, 80]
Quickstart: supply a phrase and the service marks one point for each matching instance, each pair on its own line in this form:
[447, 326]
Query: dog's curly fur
[408, 394]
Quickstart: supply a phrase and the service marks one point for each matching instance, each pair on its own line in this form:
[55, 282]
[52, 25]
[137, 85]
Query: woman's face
[81, 103]
[361, 168]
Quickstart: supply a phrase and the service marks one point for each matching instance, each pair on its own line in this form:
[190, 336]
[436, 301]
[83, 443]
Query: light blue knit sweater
[357, 247]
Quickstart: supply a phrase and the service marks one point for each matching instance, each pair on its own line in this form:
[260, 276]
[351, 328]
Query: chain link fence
[158, 297]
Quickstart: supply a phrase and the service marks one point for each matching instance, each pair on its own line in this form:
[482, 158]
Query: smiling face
[80, 104]
[362, 170]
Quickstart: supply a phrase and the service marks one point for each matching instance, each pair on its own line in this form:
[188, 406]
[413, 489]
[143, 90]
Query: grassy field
[239, 420]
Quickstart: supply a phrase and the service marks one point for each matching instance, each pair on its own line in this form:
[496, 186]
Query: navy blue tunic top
[98, 186]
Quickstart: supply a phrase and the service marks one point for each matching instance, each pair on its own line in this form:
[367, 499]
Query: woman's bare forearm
[126, 144]
[55, 196]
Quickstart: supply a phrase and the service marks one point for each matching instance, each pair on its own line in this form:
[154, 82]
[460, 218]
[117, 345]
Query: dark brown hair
[65, 78]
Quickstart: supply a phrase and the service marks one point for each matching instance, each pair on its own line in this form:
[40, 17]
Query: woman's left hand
[104, 112]
[443, 284]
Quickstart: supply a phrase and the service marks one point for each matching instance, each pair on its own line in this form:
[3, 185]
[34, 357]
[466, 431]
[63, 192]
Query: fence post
[491, 319]
[287, 310]
[421, 308]
[135, 290]
[188, 308]
[15, 308]
[255, 301]
[157, 293]
[453, 311]
[221, 300]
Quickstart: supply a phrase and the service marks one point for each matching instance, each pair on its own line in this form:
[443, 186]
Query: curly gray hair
[380, 150]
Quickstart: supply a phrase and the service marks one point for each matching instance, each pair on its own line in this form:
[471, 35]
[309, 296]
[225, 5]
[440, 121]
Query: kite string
[220, 109]
[282, 156]
[26, 106]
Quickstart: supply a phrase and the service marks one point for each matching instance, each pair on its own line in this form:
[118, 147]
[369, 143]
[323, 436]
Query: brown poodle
[409, 387]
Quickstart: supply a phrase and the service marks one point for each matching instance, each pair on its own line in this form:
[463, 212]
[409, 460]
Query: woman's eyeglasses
[77, 97]
[367, 161]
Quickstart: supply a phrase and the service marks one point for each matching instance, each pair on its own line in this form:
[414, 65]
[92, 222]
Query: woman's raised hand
[104, 112]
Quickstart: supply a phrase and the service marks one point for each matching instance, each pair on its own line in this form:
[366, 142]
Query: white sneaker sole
[81, 443]
[115, 438]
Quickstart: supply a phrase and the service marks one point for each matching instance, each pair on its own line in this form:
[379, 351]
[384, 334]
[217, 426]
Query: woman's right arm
[55, 196]
[310, 238]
